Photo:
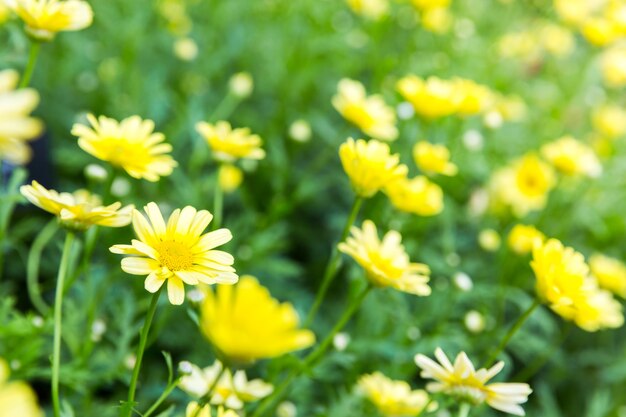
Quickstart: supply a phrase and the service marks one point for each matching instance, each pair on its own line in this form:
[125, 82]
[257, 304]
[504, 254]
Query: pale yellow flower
[44, 18]
[609, 120]
[572, 157]
[437, 20]
[394, 398]
[371, 9]
[368, 113]
[417, 195]
[78, 210]
[431, 98]
[610, 273]
[241, 84]
[16, 125]
[489, 240]
[370, 166]
[130, 144]
[522, 238]
[574, 12]
[177, 252]
[433, 159]
[17, 399]
[229, 177]
[244, 323]
[613, 65]
[556, 40]
[5, 12]
[462, 381]
[186, 49]
[386, 262]
[230, 144]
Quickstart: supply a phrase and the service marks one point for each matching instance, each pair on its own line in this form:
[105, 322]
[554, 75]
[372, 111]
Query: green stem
[58, 303]
[164, 395]
[32, 267]
[140, 351]
[464, 409]
[268, 404]
[206, 398]
[218, 203]
[333, 263]
[30, 66]
[516, 326]
[531, 369]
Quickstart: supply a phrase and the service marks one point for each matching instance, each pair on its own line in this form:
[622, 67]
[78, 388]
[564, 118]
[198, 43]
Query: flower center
[174, 255]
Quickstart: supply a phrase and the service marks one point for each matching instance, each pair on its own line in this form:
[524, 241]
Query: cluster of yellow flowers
[534, 43]
[601, 22]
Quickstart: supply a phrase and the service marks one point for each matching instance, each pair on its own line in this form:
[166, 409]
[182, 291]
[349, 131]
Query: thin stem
[140, 351]
[464, 409]
[164, 395]
[206, 398]
[218, 203]
[58, 303]
[268, 404]
[516, 326]
[30, 66]
[32, 267]
[333, 263]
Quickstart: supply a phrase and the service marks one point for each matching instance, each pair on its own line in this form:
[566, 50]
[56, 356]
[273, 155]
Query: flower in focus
[418, 196]
[230, 177]
[572, 157]
[241, 84]
[16, 125]
[371, 9]
[370, 114]
[370, 166]
[177, 252]
[230, 144]
[230, 390]
[522, 238]
[78, 210]
[610, 273]
[431, 98]
[613, 66]
[386, 262]
[433, 159]
[17, 399]
[130, 144]
[609, 120]
[244, 323]
[44, 18]
[394, 398]
[465, 383]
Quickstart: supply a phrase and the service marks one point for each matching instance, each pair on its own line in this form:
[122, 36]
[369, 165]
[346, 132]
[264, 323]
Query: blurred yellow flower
[437, 20]
[16, 125]
[610, 273]
[186, 49]
[489, 240]
[78, 210]
[394, 398]
[241, 84]
[430, 4]
[244, 323]
[433, 159]
[573, 12]
[473, 98]
[230, 177]
[370, 114]
[177, 252]
[462, 381]
[386, 262]
[130, 144]
[572, 157]
[600, 31]
[5, 12]
[556, 40]
[192, 410]
[522, 238]
[230, 144]
[431, 98]
[44, 18]
[609, 120]
[230, 390]
[17, 399]
[371, 9]
[613, 65]
[418, 196]
[370, 166]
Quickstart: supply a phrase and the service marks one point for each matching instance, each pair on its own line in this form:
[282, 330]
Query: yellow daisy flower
[370, 166]
[78, 210]
[609, 120]
[418, 196]
[130, 144]
[572, 157]
[610, 273]
[244, 323]
[371, 9]
[370, 114]
[394, 398]
[431, 98]
[177, 252]
[17, 399]
[386, 263]
[230, 144]
[16, 125]
[44, 18]
[433, 159]
[465, 383]
[522, 238]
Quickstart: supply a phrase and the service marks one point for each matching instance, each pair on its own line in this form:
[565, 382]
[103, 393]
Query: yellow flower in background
[5, 12]
[241, 85]
[610, 273]
[437, 20]
[489, 240]
[609, 120]
[613, 66]
[394, 398]
[186, 49]
[177, 252]
[386, 262]
[598, 310]
[78, 210]
[368, 113]
[230, 390]
[431, 98]
[433, 159]
[430, 4]
[600, 31]
[522, 238]
[572, 157]
[44, 18]
[130, 144]
[474, 98]
[371, 9]
[230, 177]
[17, 399]
[244, 323]
[509, 108]
[230, 144]
[16, 125]
[370, 166]
[418, 196]
[462, 381]
[192, 410]
[573, 12]
[556, 40]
